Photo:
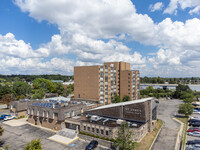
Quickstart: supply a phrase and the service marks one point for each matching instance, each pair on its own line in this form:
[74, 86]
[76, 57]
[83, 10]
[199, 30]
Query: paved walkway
[16, 122]
[62, 139]
[166, 140]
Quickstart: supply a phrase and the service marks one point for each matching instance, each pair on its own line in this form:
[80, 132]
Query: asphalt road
[18, 137]
[166, 140]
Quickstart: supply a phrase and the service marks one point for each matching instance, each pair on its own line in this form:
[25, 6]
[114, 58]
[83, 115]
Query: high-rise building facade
[101, 83]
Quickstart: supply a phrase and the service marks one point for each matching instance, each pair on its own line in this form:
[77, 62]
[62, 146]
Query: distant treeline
[30, 78]
[160, 80]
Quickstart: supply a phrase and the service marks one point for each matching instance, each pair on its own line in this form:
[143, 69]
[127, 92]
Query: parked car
[194, 134]
[92, 145]
[193, 147]
[194, 124]
[3, 116]
[193, 142]
[193, 130]
[193, 120]
[197, 118]
[9, 118]
[196, 112]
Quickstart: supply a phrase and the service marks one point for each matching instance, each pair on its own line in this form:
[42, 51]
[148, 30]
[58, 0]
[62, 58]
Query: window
[97, 130]
[92, 129]
[88, 128]
[102, 131]
[84, 128]
[106, 132]
[55, 115]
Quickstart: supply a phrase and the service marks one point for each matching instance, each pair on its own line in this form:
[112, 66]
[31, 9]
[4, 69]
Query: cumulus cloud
[156, 6]
[94, 31]
[18, 48]
[194, 6]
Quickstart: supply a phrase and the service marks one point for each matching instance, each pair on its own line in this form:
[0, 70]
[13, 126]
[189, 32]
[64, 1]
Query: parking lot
[18, 136]
[166, 139]
[189, 138]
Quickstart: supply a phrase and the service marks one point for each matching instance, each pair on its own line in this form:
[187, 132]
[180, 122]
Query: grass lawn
[185, 121]
[148, 139]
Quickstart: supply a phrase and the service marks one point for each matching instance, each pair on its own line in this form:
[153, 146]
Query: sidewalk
[16, 122]
[62, 139]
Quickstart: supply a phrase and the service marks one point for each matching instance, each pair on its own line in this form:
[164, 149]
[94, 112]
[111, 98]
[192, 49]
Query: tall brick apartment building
[101, 83]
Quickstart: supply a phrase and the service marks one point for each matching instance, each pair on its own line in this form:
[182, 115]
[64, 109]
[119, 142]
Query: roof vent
[119, 121]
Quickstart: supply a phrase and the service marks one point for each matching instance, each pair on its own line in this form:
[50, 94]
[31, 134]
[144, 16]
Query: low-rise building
[19, 108]
[106, 120]
[52, 115]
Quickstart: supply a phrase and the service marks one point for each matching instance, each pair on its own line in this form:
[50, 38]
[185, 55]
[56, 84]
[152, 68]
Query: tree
[59, 88]
[4, 90]
[188, 100]
[116, 99]
[185, 95]
[34, 145]
[38, 93]
[47, 85]
[1, 132]
[180, 90]
[124, 138]
[186, 109]
[21, 88]
[126, 98]
[6, 99]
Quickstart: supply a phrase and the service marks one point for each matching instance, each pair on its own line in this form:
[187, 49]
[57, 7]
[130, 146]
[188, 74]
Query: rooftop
[111, 122]
[123, 103]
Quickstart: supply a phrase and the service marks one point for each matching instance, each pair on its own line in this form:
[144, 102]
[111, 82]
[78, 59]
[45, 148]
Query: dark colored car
[193, 120]
[194, 124]
[92, 145]
[193, 142]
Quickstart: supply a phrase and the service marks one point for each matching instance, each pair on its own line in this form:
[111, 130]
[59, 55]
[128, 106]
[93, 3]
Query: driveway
[18, 137]
[166, 140]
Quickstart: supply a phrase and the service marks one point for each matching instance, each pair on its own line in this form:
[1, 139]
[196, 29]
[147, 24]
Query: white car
[197, 118]
[9, 118]
[194, 134]
[196, 112]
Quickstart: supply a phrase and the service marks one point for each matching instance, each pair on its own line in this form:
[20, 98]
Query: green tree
[59, 88]
[185, 95]
[180, 90]
[45, 84]
[21, 88]
[34, 145]
[4, 90]
[188, 100]
[38, 93]
[124, 139]
[126, 98]
[116, 99]
[186, 109]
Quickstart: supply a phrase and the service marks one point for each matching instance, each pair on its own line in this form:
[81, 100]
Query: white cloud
[194, 5]
[91, 31]
[18, 48]
[156, 6]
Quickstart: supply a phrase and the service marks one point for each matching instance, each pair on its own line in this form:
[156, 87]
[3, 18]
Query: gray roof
[124, 103]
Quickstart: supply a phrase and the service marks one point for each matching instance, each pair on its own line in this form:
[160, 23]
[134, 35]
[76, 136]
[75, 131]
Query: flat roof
[123, 103]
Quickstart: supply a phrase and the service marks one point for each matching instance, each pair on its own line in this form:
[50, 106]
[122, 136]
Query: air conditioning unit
[119, 121]
[134, 125]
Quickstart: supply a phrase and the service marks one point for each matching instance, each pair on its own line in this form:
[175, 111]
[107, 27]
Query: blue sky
[159, 38]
